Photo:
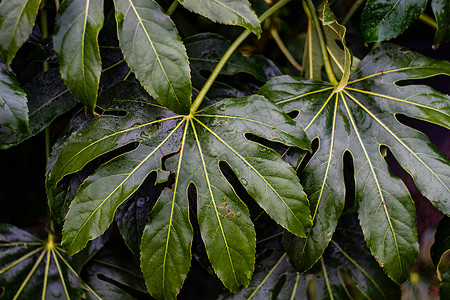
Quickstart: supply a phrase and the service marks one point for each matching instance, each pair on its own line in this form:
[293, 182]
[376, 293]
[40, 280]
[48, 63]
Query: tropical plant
[281, 181]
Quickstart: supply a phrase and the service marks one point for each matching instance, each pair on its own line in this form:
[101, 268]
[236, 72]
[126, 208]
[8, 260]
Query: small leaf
[16, 23]
[76, 31]
[33, 268]
[441, 10]
[13, 102]
[154, 51]
[384, 19]
[360, 118]
[227, 12]
[342, 61]
[48, 98]
[440, 253]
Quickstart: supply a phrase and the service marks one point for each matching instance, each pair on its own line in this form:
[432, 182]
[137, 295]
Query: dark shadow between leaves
[129, 290]
[349, 180]
[438, 83]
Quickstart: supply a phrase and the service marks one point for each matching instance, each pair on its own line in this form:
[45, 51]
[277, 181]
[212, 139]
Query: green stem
[45, 68]
[352, 11]
[426, 19]
[322, 44]
[201, 95]
[172, 7]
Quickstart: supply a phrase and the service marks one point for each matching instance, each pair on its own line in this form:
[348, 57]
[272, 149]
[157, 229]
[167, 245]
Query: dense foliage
[175, 160]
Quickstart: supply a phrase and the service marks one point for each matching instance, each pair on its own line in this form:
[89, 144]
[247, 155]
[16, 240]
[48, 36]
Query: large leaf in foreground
[32, 268]
[16, 23]
[384, 19]
[13, 102]
[361, 118]
[77, 26]
[227, 12]
[152, 48]
[194, 146]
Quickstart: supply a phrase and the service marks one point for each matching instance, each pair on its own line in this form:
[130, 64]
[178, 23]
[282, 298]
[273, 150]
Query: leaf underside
[441, 10]
[197, 145]
[361, 118]
[229, 12]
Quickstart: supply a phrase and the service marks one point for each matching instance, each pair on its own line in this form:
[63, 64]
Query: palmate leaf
[13, 102]
[199, 142]
[346, 271]
[361, 118]
[441, 10]
[76, 30]
[33, 268]
[230, 12]
[384, 19]
[16, 23]
[152, 48]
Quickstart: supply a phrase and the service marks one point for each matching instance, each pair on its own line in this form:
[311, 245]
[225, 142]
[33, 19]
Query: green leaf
[114, 274]
[44, 105]
[441, 10]
[132, 216]
[194, 147]
[16, 22]
[76, 31]
[227, 12]
[13, 102]
[342, 61]
[33, 268]
[154, 51]
[384, 19]
[346, 271]
[444, 287]
[361, 119]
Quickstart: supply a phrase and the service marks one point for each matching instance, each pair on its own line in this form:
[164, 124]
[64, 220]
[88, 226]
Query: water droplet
[221, 108]
[263, 149]
[329, 234]
[445, 200]
[244, 182]
[382, 265]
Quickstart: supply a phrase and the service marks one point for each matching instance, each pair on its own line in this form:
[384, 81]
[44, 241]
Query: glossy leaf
[230, 12]
[346, 271]
[16, 22]
[384, 19]
[33, 268]
[361, 119]
[197, 144]
[154, 51]
[48, 98]
[13, 102]
[441, 10]
[77, 26]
